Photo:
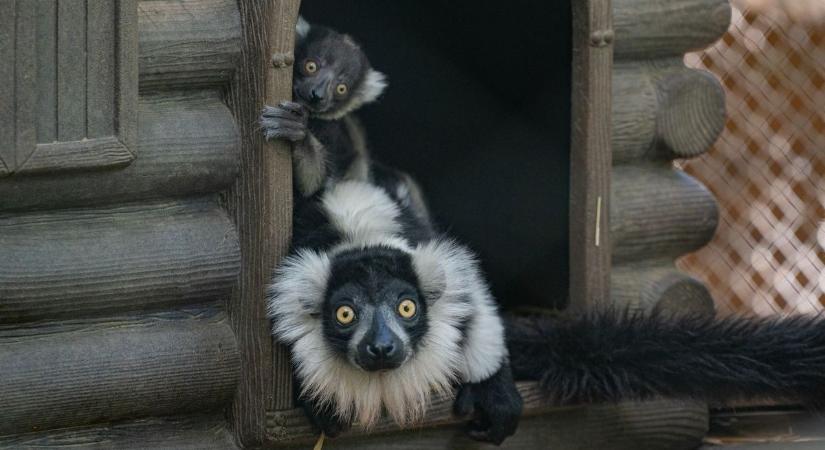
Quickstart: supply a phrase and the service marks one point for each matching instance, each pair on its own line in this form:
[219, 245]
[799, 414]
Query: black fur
[374, 275]
[493, 404]
[613, 356]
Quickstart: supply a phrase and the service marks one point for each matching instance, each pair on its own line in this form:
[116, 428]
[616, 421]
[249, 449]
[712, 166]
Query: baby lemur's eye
[345, 315]
[341, 89]
[310, 66]
[406, 308]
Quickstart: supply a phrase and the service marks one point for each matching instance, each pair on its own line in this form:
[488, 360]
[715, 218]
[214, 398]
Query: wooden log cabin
[141, 214]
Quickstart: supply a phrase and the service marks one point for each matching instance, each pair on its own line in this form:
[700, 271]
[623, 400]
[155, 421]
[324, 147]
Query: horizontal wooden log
[647, 29]
[68, 375]
[766, 428]
[179, 432]
[659, 287]
[658, 212]
[664, 111]
[187, 145]
[137, 257]
[659, 424]
[188, 43]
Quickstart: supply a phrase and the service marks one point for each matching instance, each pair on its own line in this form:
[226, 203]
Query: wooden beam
[195, 43]
[79, 373]
[664, 111]
[658, 212]
[261, 203]
[647, 29]
[590, 155]
[132, 258]
[202, 432]
[659, 287]
[187, 145]
[586, 426]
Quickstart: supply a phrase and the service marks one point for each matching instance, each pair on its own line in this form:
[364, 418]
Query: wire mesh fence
[767, 170]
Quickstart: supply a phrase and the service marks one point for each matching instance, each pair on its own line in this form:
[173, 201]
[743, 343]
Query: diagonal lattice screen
[768, 168]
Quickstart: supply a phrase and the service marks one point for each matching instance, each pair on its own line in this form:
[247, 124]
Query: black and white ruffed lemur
[380, 313]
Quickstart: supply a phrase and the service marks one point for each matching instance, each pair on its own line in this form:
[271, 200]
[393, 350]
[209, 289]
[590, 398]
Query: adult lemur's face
[331, 75]
[373, 313]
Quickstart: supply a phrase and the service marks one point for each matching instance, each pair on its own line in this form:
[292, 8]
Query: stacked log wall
[114, 282]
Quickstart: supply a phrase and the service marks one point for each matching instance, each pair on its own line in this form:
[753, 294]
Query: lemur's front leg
[325, 419]
[494, 406]
[289, 121]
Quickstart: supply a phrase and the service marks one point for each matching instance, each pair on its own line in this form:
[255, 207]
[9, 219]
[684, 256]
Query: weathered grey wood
[46, 49]
[188, 145]
[659, 212]
[137, 257]
[127, 74]
[291, 426]
[108, 152]
[590, 157]
[664, 111]
[178, 432]
[669, 423]
[659, 287]
[656, 28]
[25, 74]
[71, 72]
[766, 428]
[101, 62]
[261, 202]
[75, 374]
[187, 44]
[7, 55]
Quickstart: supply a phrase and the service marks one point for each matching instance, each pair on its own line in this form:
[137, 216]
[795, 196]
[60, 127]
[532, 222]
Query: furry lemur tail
[613, 356]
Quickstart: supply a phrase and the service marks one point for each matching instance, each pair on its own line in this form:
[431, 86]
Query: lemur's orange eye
[345, 315]
[406, 308]
[341, 89]
[310, 66]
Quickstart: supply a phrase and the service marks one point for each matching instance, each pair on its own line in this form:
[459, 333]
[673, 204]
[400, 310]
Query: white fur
[361, 212]
[302, 28]
[368, 91]
[456, 292]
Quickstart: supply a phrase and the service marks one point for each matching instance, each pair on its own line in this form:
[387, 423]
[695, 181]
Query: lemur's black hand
[494, 406]
[287, 121]
[325, 420]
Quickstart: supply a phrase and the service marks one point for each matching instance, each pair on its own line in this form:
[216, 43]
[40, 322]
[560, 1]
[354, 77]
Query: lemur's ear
[431, 273]
[301, 28]
[372, 87]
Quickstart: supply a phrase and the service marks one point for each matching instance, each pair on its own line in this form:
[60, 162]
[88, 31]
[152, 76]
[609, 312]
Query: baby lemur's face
[373, 313]
[332, 75]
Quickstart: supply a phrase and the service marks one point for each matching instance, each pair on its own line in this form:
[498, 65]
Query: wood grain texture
[590, 157]
[106, 152]
[195, 432]
[565, 427]
[76, 374]
[193, 43]
[187, 145]
[766, 428]
[137, 257]
[261, 204]
[659, 212]
[659, 287]
[101, 62]
[46, 49]
[664, 111]
[71, 73]
[7, 100]
[647, 29]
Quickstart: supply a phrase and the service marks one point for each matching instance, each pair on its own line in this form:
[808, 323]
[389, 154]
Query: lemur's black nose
[316, 96]
[381, 350]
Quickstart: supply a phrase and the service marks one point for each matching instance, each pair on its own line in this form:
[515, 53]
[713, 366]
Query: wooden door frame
[262, 412]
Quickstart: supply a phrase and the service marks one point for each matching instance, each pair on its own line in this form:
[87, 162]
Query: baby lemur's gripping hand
[287, 121]
[494, 407]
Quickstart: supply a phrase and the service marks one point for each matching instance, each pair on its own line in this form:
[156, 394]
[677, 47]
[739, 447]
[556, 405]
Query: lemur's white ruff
[454, 289]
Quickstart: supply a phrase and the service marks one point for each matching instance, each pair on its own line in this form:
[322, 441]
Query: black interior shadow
[478, 111]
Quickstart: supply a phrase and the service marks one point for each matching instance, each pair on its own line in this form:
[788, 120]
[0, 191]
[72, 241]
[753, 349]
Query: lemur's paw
[287, 121]
[326, 420]
[494, 406]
